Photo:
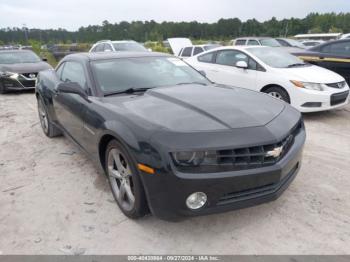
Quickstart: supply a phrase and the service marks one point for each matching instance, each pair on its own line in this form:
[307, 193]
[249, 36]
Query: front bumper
[19, 83]
[324, 100]
[167, 191]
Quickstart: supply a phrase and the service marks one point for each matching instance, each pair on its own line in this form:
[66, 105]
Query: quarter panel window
[206, 58]
[253, 42]
[187, 51]
[230, 57]
[74, 72]
[240, 42]
[100, 48]
[197, 50]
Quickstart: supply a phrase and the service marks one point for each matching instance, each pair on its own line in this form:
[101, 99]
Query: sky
[72, 14]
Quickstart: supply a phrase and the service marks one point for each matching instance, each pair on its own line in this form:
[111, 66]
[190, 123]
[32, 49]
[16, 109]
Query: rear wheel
[48, 128]
[278, 92]
[124, 181]
[2, 89]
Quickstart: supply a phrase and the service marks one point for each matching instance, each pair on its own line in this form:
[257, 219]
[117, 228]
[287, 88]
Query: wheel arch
[125, 137]
[266, 87]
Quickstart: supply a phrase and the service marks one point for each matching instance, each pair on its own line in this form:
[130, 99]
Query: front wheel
[278, 93]
[124, 181]
[48, 128]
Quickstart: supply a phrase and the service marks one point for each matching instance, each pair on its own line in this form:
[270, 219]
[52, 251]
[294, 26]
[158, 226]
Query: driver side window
[74, 72]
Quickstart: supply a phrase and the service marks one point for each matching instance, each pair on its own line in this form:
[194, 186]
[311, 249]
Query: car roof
[239, 47]
[254, 37]
[113, 55]
[204, 45]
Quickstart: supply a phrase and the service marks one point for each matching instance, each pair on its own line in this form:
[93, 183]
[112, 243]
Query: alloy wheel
[120, 177]
[276, 95]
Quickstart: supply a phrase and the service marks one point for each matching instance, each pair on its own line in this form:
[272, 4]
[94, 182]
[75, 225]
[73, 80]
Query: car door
[224, 71]
[68, 107]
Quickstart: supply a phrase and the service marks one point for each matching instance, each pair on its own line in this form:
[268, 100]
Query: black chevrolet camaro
[19, 69]
[170, 141]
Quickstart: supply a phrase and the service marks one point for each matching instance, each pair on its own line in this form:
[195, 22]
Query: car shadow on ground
[18, 92]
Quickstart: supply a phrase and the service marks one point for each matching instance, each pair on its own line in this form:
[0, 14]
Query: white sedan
[307, 87]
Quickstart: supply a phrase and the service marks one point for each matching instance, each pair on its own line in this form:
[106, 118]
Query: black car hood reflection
[199, 108]
[25, 67]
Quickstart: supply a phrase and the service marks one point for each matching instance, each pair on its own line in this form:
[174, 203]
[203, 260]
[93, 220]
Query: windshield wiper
[130, 90]
[189, 83]
[296, 65]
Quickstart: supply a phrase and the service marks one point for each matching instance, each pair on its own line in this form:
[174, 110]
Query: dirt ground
[53, 201]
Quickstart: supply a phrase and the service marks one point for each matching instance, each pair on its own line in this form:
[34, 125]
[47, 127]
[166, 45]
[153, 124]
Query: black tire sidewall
[40, 100]
[140, 206]
[2, 89]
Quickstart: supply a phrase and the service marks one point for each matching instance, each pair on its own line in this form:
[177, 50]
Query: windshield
[276, 58]
[130, 46]
[295, 43]
[209, 47]
[18, 57]
[269, 42]
[120, 74]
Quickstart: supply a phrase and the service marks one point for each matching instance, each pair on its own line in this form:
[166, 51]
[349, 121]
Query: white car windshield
[276, 58]
[295, 43]
[269, 42]
[129, 46]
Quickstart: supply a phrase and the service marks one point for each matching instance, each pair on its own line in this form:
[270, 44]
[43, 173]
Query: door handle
[212, 70]
[321, 57]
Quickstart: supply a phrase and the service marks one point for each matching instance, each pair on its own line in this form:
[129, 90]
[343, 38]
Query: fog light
[196, 200]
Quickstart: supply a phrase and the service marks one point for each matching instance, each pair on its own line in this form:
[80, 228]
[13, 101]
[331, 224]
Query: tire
[2, 89]
[278, 92]
[48, 128]
[122, 173]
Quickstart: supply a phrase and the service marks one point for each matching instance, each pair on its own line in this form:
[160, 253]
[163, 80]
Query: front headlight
[194, 158]
[9, 74]
[308, 85]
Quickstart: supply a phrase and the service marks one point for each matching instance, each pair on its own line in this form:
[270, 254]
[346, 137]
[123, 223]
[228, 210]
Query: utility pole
[286, 31]
[25, 33]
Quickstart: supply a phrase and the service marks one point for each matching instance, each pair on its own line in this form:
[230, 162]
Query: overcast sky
[71, 14]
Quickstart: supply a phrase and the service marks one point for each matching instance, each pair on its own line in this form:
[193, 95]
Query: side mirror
[202, 73]
[72, 88]
[242, 64]
[44, 59]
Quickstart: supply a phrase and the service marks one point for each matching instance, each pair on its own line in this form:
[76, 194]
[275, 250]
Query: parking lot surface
[53, 201]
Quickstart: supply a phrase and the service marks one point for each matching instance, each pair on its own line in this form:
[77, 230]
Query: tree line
[223, 29]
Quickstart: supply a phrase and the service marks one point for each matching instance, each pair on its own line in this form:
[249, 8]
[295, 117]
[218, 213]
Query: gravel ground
[53, 201]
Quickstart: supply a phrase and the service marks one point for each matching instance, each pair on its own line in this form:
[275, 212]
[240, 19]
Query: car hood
[313, 74]
[198, 108]
[25, 67]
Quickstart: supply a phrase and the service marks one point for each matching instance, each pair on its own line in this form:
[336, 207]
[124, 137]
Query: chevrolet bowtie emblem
[276, 152]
